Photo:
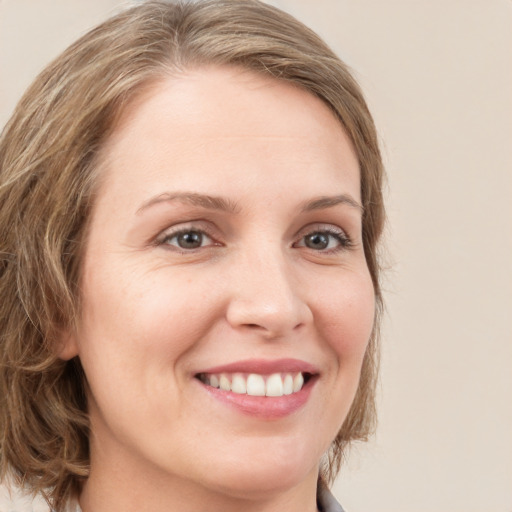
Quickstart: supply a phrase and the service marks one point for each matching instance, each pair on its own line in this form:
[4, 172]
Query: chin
[266, 471]
[255, 484]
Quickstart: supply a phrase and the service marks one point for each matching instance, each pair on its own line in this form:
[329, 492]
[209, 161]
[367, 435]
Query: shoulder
[326, 501]
[13, 499]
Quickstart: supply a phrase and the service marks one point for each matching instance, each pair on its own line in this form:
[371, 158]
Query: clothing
[326, 501]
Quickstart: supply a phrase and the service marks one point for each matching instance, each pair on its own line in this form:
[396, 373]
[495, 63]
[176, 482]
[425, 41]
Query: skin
[155, 314]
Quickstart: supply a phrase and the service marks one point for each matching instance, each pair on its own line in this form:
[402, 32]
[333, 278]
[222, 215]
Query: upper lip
[264, 367]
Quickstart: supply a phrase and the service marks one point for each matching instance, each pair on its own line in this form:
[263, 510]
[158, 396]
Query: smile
[261, 388]
[254, 384]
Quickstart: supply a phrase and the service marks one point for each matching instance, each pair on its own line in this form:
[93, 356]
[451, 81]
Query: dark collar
[326, 502]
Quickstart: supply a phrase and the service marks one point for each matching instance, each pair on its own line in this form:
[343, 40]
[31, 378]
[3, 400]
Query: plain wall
[438, 78]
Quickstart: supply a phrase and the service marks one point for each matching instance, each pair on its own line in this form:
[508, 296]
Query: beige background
[438, 77]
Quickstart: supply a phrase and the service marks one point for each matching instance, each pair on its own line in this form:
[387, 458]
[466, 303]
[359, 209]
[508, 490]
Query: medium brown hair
[48, 155]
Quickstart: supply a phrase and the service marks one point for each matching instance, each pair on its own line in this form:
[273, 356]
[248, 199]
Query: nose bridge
[265, 294]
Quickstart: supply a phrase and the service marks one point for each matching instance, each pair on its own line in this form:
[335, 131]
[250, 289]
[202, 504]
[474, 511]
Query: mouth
[261, 388]
[257, 384]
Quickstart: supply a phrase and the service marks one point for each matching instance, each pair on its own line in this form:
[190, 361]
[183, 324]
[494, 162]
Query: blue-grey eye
[189, 239]
[324, 241]
[317, 241]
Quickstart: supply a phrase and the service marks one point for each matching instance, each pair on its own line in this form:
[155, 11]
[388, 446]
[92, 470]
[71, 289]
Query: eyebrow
[329, 201]
[225, 205]
[194, 199]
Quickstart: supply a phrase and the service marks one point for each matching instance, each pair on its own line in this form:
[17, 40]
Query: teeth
[298, 382]
[224, 383]
[288, 385]
[214, 381]
[274, 385]
[238, 385]
[253, 384]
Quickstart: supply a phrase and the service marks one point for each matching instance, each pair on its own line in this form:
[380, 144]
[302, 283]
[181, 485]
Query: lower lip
[264, 407]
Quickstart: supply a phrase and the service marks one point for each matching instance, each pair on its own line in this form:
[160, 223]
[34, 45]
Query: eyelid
[345, 241]
[185, 227]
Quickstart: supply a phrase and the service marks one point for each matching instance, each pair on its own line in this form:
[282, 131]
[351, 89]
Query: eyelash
[165, 239]
[343, 240]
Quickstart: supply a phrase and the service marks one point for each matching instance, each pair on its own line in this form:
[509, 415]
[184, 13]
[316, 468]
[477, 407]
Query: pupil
[317, 241]
[190, 240]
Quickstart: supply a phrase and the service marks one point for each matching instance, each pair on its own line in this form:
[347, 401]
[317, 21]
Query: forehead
[232, 120]
[216, 91]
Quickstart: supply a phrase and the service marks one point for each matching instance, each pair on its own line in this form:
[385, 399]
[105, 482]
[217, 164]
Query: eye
[325, 240]
[187, 239]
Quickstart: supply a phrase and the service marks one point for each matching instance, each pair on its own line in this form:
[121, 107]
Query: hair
[49, 152]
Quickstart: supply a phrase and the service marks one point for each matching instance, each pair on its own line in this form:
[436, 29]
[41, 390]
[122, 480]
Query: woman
[190, 207]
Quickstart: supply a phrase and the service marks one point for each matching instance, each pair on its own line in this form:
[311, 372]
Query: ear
[66, 346]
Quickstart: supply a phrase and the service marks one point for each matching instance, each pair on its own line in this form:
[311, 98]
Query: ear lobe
[66, 346]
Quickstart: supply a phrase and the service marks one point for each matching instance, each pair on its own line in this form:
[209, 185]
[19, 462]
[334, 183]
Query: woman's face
[224, 251]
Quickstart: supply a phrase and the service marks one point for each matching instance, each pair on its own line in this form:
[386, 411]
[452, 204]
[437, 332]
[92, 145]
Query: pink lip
[264, 367]
[262, 407]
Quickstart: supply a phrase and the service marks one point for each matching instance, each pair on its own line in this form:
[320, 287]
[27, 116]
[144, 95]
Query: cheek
[141, 319]
[347, 310]
[136, 334]
[345, 317]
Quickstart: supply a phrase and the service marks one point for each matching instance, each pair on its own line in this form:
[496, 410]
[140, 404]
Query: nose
[266, 297]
